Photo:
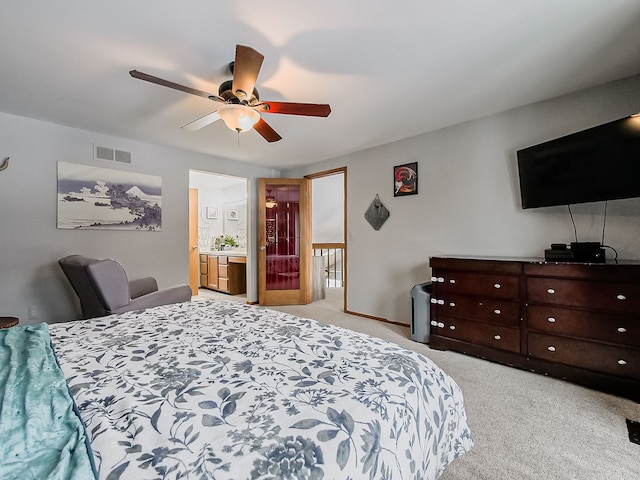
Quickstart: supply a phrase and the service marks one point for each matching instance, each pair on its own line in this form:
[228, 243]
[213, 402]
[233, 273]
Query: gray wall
[30, 243]
[468, 201]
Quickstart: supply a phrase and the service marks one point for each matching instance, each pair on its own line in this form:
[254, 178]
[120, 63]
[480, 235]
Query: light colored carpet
[525, 426]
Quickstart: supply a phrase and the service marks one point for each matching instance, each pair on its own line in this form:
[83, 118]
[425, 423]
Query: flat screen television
[597, 164]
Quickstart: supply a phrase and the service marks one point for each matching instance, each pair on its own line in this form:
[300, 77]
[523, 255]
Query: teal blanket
[41, 435]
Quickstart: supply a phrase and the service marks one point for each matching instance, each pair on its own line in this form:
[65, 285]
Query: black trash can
[420, 315]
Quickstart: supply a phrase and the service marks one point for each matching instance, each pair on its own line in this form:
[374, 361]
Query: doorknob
[195, 247]
[263, 248]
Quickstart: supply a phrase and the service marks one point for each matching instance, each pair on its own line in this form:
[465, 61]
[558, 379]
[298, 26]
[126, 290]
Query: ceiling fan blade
[245, 70]
[176, 86]
[268, 133]
[290, 108]
[202, 122]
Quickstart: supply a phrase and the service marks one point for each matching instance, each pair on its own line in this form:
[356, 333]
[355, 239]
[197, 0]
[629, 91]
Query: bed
[221, 390]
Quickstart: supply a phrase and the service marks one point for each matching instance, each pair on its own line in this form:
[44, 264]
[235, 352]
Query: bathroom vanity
[224, 271]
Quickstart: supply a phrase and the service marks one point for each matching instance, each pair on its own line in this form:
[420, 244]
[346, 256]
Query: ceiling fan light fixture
[238, 118]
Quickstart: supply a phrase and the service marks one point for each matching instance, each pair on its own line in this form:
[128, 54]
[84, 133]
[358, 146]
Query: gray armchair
[103, 287]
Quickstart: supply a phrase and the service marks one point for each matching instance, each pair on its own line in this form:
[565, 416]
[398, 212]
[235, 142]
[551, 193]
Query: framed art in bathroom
[212, 213]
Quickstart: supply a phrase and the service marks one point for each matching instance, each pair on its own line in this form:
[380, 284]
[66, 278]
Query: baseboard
[379, 319]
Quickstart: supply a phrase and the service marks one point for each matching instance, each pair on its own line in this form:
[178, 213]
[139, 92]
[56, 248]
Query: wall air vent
[111, 154]
[124, 157]
[104, 153]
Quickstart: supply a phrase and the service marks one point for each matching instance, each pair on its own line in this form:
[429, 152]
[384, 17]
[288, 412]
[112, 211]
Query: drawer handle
[551, 320]
[440, 302]
[434, 279]
[497, 337]
[621, 297]
[440, 280]
[434, 323]
[622, 330]
[452, 281]
[434, 300]
[551, 291]
[452, 304]
[551, 348]
[621, 362]
[440, 324]
[496, 311]
[452, 327]
[496, 285]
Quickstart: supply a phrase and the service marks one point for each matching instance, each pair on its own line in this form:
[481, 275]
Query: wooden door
[194, 259]
[284, 240]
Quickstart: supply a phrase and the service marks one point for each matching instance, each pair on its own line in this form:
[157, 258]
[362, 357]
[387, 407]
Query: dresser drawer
[487, 334]
[223, 284]
[203, 268]
[597, 272]
[589, 325]
[620, 361]
[506, 287]
[614, 297]
[485, 310]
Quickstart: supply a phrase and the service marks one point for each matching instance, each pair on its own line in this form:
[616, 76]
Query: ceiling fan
[238, 102]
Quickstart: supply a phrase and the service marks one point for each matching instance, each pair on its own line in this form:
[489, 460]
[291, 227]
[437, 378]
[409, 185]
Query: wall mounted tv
[600, 163]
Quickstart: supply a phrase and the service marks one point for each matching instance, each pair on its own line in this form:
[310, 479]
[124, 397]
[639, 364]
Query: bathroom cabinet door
[212, 270]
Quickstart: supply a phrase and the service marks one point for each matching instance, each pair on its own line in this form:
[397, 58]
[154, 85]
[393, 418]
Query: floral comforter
[221, 390]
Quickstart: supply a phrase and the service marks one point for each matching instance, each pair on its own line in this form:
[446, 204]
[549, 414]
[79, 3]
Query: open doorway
[328, 213]
[221, 221]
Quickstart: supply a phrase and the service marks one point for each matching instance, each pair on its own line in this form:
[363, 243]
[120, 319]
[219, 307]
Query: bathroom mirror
[235, 221]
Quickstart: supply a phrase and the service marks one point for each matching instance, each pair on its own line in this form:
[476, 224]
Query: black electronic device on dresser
[583, 252]
[576, 321]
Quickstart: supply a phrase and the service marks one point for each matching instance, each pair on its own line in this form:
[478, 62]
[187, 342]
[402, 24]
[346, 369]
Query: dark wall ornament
[377, 213]
[405, 179]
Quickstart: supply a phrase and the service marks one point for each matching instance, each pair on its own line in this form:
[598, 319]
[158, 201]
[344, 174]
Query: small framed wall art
[405, 179]
[212, 213]
[232, 214]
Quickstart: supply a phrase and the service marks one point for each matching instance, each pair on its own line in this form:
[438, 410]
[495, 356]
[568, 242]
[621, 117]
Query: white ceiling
[389, 70]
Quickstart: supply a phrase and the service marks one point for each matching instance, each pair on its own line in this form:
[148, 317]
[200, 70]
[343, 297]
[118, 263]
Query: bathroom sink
[240, 252]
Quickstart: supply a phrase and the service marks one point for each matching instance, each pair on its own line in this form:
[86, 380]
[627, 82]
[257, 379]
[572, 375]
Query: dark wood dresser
[579, 322]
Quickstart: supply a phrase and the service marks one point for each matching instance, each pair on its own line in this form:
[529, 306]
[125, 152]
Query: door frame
[194, 254]
[249, 236]
[327, 173]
